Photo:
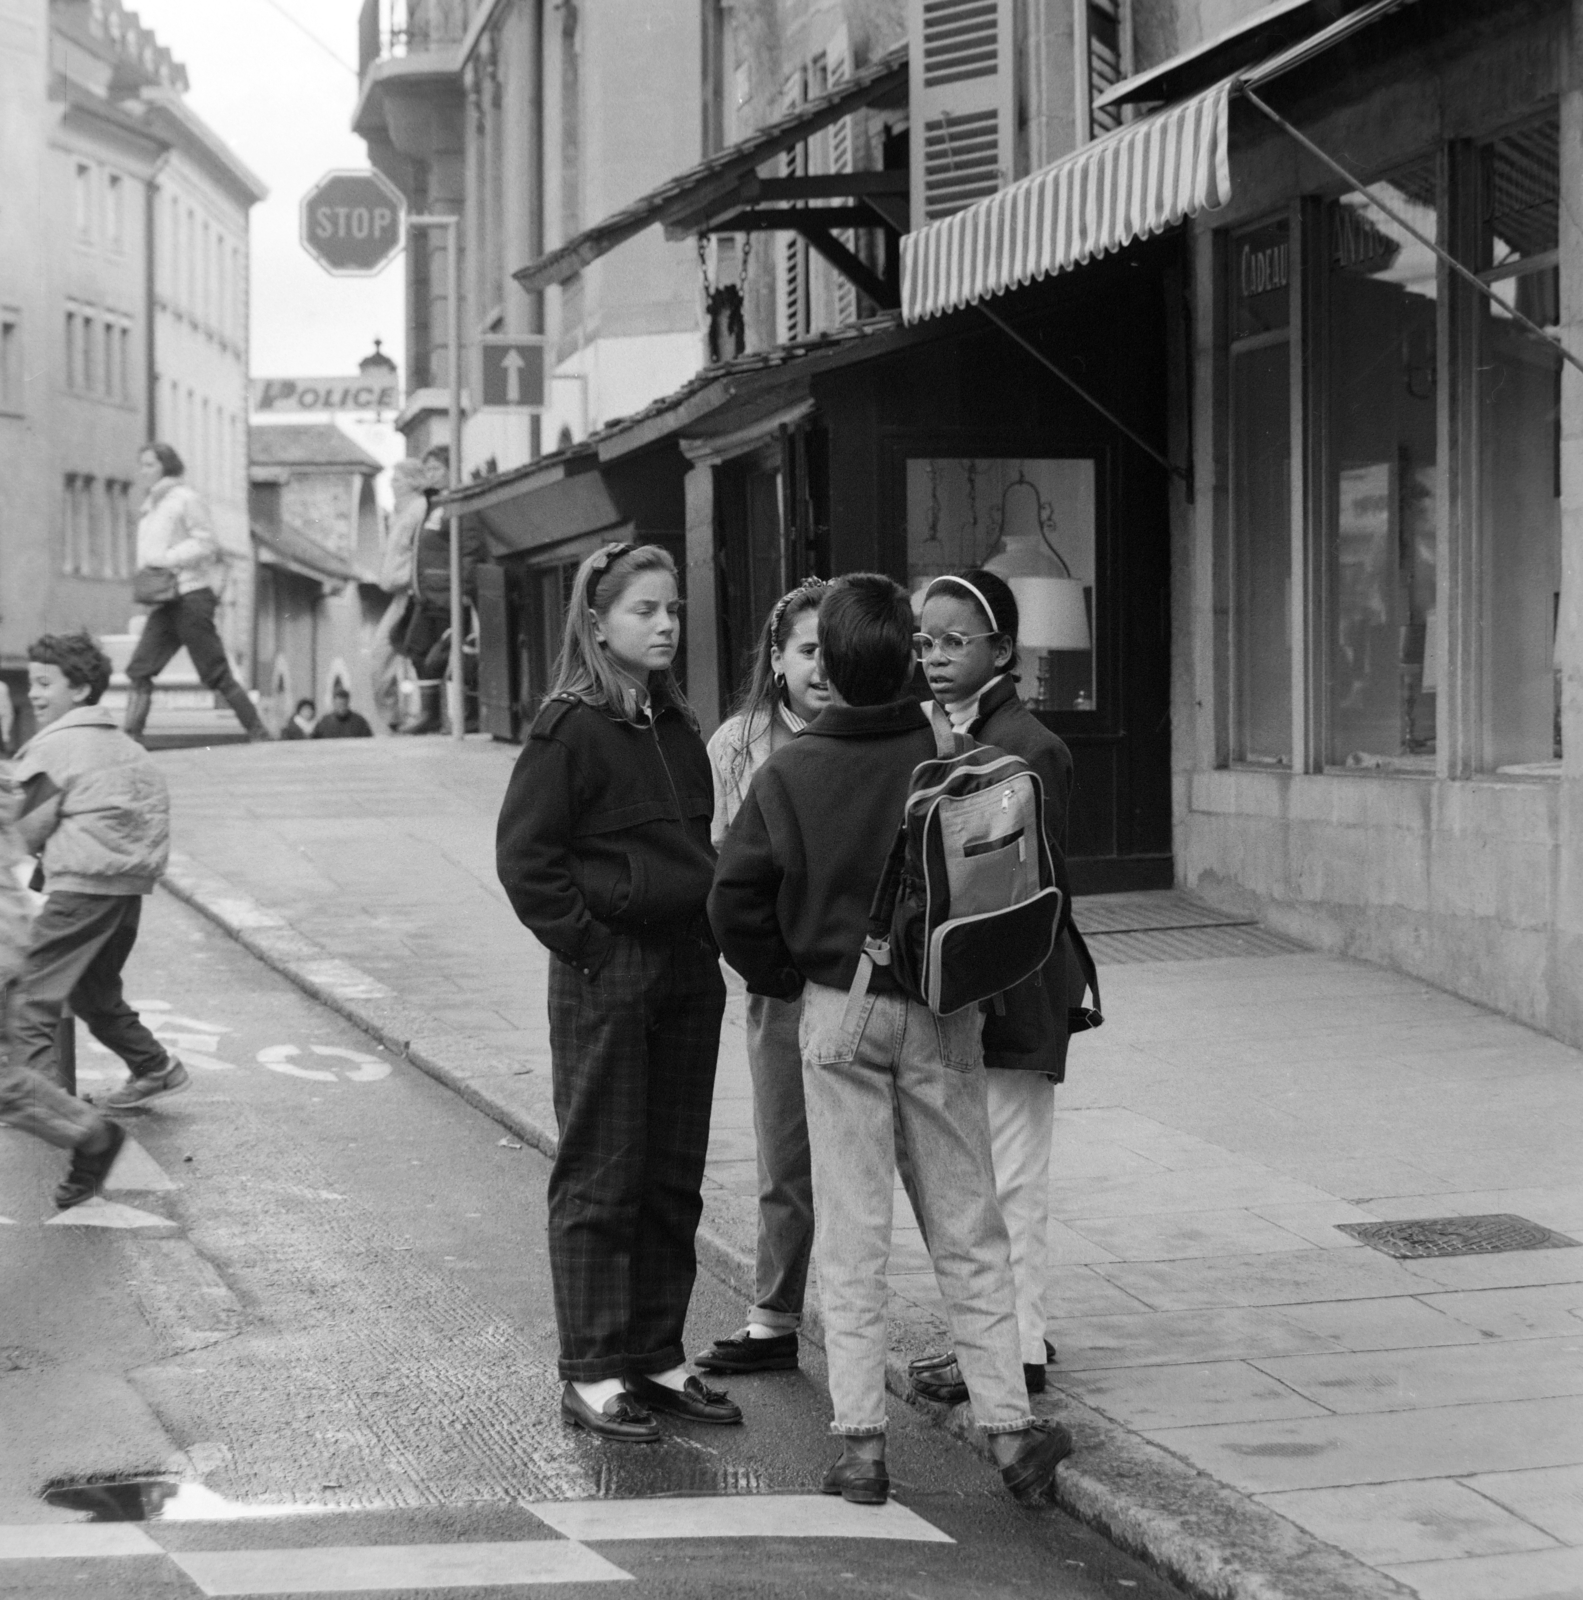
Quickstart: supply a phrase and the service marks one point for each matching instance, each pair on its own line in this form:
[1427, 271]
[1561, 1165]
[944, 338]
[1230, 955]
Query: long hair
[584, 669]
[759, 700]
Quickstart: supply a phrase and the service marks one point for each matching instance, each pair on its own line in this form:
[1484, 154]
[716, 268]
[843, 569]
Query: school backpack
[971, 899]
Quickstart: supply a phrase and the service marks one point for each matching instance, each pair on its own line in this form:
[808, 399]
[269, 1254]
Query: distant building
[317, 533]
[113, 331]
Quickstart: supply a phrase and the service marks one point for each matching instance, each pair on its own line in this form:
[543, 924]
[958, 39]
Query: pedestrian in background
[341, 721]
[968, 647]
[784, 693]
[30, 1101]
[96, 811]
[300, 724]
[408, 480]
[603, 848]
[180, 573]
[790, 905]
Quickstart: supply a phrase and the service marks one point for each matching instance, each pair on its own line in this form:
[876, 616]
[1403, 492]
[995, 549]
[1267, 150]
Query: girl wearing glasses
[785, 692]
[967, 646]
[603, 848]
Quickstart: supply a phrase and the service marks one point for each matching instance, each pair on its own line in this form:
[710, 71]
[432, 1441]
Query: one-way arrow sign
[513, 372]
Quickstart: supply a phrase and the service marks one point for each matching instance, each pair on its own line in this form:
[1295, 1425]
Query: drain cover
[1456, 1236]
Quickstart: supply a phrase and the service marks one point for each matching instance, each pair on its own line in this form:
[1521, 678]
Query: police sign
[351, 223]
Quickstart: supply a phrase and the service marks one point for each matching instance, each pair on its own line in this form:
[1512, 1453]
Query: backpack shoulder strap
[876, 946]
[947, 741]
[1081, 1018]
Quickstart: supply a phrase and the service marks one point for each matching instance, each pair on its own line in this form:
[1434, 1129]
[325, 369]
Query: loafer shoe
[863, 1483]
[85, 1177]
[695, 1400]
[156, 1086]
[620, 1418]
[938, 1378]
[1030, 1473]
[741, 1353]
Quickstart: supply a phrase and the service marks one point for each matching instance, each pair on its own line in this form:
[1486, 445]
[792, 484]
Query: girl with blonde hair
[604, 850]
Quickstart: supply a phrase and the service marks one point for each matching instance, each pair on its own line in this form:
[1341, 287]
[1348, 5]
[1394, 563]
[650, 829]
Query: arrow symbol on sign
[513, 363]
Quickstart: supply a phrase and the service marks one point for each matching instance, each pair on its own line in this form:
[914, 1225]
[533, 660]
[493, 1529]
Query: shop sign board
[280, 397]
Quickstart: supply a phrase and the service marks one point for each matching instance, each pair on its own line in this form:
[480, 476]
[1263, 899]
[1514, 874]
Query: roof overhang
[294, 550]
[728, 184]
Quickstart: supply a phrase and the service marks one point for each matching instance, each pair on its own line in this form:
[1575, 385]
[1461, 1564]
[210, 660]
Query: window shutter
[962, 103]
[843, 156]
[1104, 62]
[791, 254]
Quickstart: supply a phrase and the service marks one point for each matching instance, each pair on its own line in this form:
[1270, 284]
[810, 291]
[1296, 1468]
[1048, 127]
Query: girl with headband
[603, 848]
[785, 692]
[967, 645]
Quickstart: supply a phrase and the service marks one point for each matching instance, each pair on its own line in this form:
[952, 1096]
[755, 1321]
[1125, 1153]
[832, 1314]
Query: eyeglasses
[953, 646]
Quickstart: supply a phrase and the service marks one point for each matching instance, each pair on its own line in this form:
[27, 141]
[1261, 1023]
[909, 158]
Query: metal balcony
[390, 30]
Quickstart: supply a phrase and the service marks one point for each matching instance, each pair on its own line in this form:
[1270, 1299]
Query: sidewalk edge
[1216, 1542]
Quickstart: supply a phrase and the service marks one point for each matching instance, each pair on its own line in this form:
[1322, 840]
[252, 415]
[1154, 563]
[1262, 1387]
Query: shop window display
[1383, 451]
[1261, 494]
[1032, 521]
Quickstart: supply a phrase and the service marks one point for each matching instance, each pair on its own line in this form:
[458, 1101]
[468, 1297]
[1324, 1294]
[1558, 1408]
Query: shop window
[82, 201]
[1382, 458]
[1261, 494]
[1033, 521]
[73, 349]
[1519, 394]
[115, 212]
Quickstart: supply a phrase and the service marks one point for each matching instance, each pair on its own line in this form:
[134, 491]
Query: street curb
[1211, 1540]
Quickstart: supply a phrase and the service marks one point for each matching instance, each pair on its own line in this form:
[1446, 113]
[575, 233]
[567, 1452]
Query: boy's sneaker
[138, 1092]
[743, 1353]
[85, 1177]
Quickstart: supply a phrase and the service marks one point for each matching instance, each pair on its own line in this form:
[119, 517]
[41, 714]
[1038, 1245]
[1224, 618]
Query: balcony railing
[393, 28]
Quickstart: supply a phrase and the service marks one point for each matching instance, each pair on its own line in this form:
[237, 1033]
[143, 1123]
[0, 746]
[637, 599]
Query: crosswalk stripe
[65, 1541]
[350, 1569]
[770, 1516]
[107, 1214]
[136, 1169]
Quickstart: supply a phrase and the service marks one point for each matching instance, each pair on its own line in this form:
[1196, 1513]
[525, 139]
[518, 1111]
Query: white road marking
[368, 1069]
[277, 1057]
[135, 1170]
[107, 1214]
[352, 1568]
[747, 1516]
[7, 1222]
[67, 1541]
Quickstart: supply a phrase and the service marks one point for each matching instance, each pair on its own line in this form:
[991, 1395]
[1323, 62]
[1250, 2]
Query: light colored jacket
[95, 806]
[174, 530]
[15, 922]
[731, 786]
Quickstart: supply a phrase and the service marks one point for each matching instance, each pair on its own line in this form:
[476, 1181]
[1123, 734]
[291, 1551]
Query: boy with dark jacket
[790, 906]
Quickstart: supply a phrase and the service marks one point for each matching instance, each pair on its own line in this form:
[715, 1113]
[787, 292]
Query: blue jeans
[780, 1128]
[901, 1069]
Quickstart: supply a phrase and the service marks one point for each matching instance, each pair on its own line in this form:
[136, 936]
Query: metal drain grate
[1456, 1236]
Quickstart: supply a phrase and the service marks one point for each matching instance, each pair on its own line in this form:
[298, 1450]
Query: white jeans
[1021, 1128]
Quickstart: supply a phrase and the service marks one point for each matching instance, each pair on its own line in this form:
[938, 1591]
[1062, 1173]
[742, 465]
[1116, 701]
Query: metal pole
[455, 700]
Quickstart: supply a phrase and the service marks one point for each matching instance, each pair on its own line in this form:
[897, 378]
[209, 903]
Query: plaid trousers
[633, 1052]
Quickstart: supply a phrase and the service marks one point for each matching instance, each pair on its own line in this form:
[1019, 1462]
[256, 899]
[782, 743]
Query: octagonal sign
[352, 223]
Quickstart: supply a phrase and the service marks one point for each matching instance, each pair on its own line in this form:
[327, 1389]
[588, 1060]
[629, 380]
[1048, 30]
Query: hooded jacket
[174, 530]
[94, 806]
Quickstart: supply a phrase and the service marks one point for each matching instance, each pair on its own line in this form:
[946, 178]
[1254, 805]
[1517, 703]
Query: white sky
[285, 108]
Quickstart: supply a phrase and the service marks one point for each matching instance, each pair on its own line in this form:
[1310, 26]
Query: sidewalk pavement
[1264, 1405]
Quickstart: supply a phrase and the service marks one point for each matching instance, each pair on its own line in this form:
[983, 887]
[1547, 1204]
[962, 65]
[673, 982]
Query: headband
[807, 586]
[601, 563]
[972, 589]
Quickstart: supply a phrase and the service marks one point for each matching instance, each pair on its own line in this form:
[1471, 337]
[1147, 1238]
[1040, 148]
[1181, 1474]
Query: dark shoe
[863, 1483]
[1034, 1378]
[938, 1378]
[137, 1092]
[1049, 1354]
[139, 702]
[620, 1418]
[85, 1177]
[694, 1400]
[739, 1353]
[1030, 1473]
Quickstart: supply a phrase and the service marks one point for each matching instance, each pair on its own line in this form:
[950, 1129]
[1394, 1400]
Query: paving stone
[1549, 1497]
[1514, 1269]
[1433, 1519]
[1533, 1313]
[1176, 1236]
[1178, 1337]
[1395, 1323]
[1318, 1223]
[1292, 1277]
[1188, 1395]
[1539, 1575]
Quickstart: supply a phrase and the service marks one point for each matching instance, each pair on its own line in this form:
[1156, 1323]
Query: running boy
[790, 908]
[95, 807]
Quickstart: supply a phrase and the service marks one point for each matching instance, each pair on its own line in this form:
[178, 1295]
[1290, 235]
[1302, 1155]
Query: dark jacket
[354, 725]
[1036, 1008]
[799, 867]
[605, 828]
[431, 561]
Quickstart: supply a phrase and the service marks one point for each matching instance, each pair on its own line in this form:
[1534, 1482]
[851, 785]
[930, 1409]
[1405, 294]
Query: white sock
[759, 1330]
[674, 1379]
[600, 1390]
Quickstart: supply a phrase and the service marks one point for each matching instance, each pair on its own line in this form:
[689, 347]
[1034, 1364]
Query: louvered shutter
[791, 252]
[843, 159]
[962, 103]
[1104, 62]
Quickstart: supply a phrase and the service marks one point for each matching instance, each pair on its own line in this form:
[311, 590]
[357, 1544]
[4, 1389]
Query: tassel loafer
[861, 1482]
[695, 1400]
[621, 1418]
[743, 1353]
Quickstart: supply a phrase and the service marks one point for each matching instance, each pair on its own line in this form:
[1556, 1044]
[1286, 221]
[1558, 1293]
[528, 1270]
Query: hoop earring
[779, 681]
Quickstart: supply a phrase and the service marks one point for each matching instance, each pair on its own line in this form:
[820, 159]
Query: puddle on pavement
[162, 1500]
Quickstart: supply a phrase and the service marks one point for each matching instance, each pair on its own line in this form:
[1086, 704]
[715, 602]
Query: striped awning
[1138, 181]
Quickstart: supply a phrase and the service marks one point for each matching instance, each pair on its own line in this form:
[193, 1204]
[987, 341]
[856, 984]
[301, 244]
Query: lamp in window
[1052, 607]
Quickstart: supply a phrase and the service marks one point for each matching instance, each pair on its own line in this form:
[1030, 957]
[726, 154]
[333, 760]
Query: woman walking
[603, 848]
[179, 575]
[785, 692]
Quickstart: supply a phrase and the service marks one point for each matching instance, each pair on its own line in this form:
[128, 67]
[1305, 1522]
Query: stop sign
[351, 222]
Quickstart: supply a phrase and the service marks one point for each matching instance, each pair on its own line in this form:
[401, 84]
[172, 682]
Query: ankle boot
[241, 703]
[138, 704]
[428, 708]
